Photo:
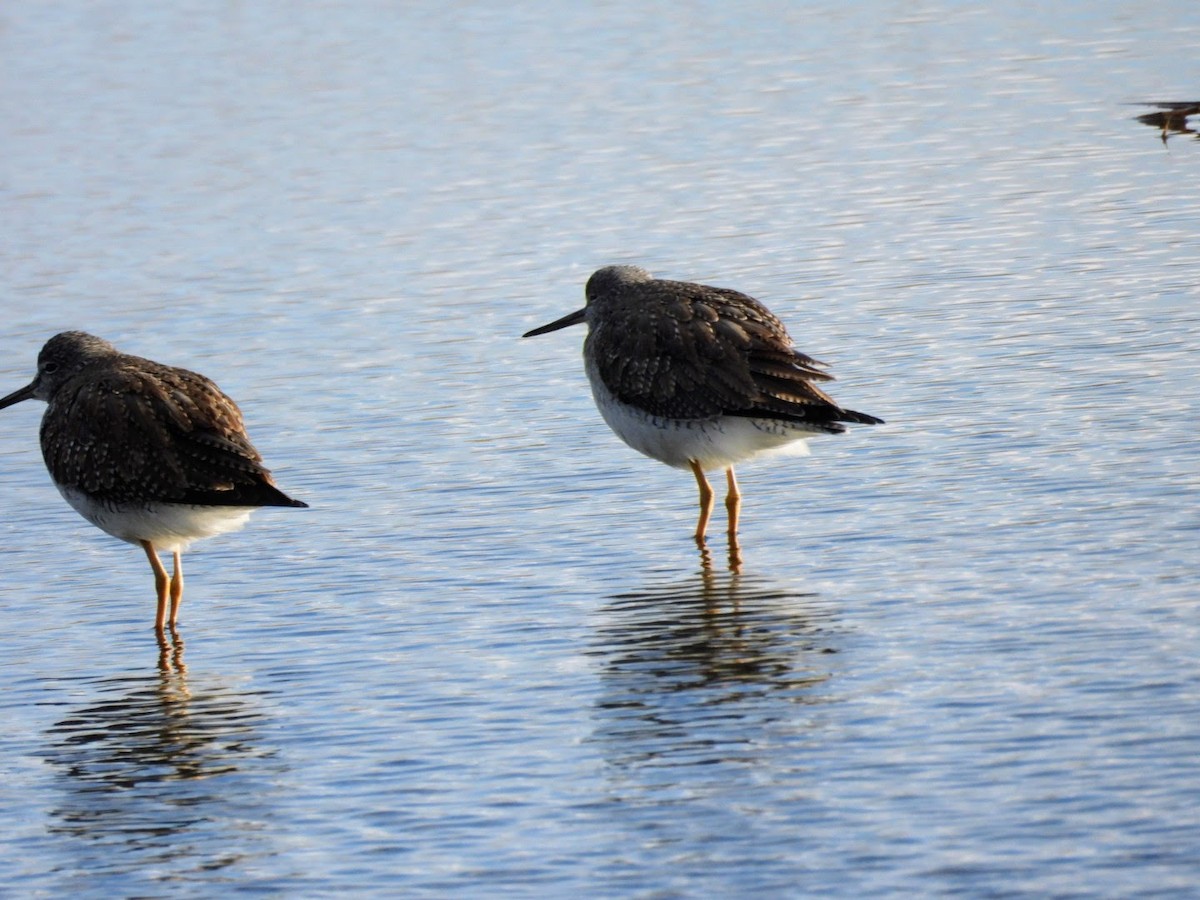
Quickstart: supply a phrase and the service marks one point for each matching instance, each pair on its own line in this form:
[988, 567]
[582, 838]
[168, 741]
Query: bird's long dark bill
[573, 319]
[17, 396]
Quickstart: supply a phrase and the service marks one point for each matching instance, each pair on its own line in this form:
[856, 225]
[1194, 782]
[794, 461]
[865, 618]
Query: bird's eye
[50, 368]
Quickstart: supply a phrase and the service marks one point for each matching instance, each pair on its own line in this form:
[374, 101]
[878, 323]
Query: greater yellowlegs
[698, 377]
[153, 455]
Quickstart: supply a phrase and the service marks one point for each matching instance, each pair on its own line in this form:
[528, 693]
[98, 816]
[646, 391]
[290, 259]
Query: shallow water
[960, 652]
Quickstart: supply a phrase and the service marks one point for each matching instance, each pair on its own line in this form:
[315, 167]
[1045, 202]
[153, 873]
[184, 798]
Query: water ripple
[163, 779]
[699, 672]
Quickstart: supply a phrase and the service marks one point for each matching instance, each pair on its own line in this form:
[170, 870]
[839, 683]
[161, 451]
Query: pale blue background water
[962, 656]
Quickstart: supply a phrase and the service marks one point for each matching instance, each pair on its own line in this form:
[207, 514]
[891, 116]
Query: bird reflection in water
[146, 772]
[701, 671]
[1171, 118]
[734, 557]
[170, 654]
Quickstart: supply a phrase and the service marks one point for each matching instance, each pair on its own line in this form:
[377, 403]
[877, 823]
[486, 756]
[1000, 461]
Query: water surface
[959, 656]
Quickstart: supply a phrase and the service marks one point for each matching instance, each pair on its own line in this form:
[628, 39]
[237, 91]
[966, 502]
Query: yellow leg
[733, 505]
[706, 500]
[733, 501]
[176, 589]
[162, 584]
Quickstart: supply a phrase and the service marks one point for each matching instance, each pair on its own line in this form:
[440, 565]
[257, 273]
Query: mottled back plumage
[123, 429]
[689, 351]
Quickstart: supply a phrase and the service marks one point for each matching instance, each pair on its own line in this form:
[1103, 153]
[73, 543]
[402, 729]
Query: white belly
[169, 526]
[715, 443]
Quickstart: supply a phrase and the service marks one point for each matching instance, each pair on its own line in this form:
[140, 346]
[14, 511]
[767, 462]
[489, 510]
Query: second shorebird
[151, 454]
[698, 377]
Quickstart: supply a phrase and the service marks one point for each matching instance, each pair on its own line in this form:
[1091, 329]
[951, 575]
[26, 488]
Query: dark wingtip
[258, 494]
[277, 497]
[849, 415]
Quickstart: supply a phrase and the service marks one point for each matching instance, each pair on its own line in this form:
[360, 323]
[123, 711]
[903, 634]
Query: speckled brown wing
[146, 432]
[659, 349]
[709, 351]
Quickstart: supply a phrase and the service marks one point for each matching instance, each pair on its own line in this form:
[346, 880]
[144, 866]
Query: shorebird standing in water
[698, 377]
[153, 455]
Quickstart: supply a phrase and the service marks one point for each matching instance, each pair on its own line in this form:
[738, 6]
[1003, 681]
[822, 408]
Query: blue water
[960, 655]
